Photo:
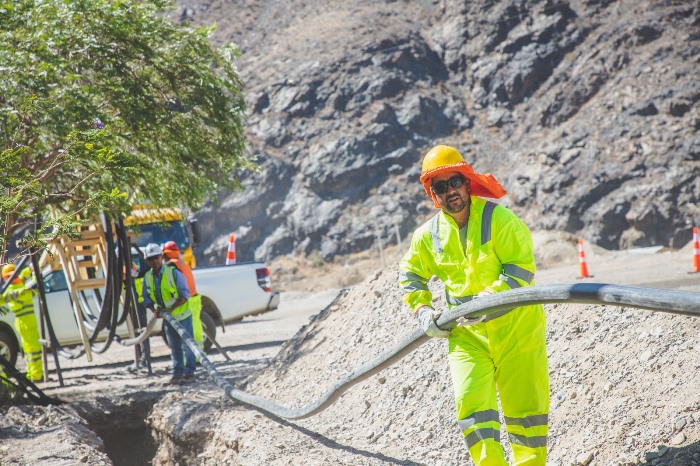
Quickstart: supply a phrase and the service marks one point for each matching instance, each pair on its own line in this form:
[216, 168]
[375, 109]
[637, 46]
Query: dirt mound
[62, 436]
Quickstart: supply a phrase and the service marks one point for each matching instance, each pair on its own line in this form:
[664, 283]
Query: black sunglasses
[441, 187]
[151, 259]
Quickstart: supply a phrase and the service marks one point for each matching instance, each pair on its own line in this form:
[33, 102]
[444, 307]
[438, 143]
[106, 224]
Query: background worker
[165, 290]
[20, 300]
[171, 251]
[138, 271]
[477, 248]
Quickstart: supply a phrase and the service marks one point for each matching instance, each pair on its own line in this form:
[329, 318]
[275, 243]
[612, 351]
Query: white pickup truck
[229, 293]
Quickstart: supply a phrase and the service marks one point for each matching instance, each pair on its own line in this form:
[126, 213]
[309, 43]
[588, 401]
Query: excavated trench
[121, 424]
[149, 428]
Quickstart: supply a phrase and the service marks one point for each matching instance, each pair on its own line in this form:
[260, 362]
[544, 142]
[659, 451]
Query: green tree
[103, 102]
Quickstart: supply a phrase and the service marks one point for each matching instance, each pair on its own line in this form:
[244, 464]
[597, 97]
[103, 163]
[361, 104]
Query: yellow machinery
[152, 225]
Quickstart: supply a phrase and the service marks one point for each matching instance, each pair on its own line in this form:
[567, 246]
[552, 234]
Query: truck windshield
[161, 232]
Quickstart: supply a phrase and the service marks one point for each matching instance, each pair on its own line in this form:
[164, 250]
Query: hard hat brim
[482, 185]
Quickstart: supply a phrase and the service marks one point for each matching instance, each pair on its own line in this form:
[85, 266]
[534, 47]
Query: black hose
[24, 385]
[43, 314]
[108, 304]
[124, 279]
[676, 302]
[108, 314]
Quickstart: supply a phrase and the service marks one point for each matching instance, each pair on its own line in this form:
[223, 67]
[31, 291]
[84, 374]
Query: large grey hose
[676, 302]
[143, 336]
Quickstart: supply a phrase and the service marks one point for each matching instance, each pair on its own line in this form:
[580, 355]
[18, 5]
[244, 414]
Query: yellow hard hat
[7, 270]
[442, 159]
[440, 156]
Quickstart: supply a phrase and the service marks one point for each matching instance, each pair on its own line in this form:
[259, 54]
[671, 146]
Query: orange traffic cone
[231, 252]
[582, 267]
[696, 251]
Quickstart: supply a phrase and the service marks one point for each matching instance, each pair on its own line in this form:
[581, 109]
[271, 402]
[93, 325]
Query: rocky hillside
[587, 111]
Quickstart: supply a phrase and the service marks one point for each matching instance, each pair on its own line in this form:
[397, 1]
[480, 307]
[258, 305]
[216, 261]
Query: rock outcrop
[586, 111]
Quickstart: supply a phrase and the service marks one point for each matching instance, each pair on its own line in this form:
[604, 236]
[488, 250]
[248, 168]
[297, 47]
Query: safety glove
[427, 316]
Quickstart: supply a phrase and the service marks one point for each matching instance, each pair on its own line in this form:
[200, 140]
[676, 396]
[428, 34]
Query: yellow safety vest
[24, 303]
[168, 291]
[138, 285]
[498, 255]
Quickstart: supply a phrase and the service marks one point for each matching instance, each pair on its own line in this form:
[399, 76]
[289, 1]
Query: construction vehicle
[158, 225]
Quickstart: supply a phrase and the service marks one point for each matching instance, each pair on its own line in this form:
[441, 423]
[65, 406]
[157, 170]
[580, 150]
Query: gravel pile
[64, 436]
[624, 385]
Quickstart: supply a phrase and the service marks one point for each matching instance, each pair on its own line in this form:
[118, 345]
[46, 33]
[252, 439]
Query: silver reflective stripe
[169, 276]
[413, 282]
[457, 300]
[24, 310]
[435, 234]
[26, 307]
[477, 418]
[529, 442]
[518, 272]
[510, 281]
[480, 435]
[528, 421]
[486, 217]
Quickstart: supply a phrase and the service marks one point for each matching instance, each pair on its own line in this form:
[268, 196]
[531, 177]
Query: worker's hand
[485, 292]
[427, 316]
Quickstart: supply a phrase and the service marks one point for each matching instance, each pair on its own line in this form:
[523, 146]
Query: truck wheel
[209, 327]
[9, 348]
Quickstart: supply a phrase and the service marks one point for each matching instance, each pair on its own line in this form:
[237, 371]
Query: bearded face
[452, 191]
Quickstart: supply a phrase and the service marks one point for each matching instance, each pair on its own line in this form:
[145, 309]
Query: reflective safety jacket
[186, 270]
[498, 256]
[168, 291]
[138, 285]
[23, 304]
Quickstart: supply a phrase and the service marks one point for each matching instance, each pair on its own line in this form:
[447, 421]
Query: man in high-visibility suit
[21, 301]
[478, 248]
[171, 251]
[165, 290]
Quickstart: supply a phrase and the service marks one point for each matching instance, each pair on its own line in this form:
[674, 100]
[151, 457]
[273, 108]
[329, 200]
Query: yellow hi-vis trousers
[197, 330]
[509, 354]
[29, 332]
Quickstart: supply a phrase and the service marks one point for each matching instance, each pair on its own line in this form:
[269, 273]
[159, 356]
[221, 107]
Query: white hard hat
[153, 250]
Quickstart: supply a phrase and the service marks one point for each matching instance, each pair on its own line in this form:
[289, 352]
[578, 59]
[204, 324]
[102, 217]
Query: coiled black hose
[118, 259]
[675, 302]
